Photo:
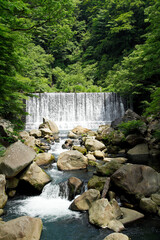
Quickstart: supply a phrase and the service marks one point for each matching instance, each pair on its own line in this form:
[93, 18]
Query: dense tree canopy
[77, 46]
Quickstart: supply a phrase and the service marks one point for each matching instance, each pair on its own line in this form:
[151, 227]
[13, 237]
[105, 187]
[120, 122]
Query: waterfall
[68, 110]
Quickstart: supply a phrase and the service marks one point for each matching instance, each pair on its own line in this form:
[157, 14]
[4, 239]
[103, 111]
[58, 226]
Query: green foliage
[154, 106]
[130, 127]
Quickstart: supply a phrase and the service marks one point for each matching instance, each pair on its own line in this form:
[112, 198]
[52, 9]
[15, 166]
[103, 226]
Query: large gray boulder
[36, 177]
[138, 152]
[24, 228]
[138, 180]
[72, 160]
[3, 196]
[103, 214]
[147, 205]
[84, 201]
[108, 168]
[35, 133]
[74, 185]
[116, 236]
[16, 158]
[79, 130]
[93, 144]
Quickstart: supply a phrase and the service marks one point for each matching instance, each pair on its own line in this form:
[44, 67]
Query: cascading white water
[68, 110]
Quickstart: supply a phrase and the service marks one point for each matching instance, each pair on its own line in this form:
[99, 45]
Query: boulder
[44, 159]
[46, 131]
[72, 135]
[35, 176]
[12, 183]
[117, 159]
[138, 180]
[147, 205]
[139, 151]
[35, 133]
[24, 228]
[80, 130]
[75, 185]
[90, 157]
[30, 142]
[6, 131]
[83, 150]
[24, 134]
[134, 139]
[107, 169]
[129, 215]
[156, 198]
[67, 144]
[16, 158]
[51, 125]
[71, 160]
[99, 154]
[97, 183]
[84, 201]
[116, 236]
[3, 196]
[103, 214]
[93, 144]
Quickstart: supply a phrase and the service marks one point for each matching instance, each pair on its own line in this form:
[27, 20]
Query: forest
[79, 46]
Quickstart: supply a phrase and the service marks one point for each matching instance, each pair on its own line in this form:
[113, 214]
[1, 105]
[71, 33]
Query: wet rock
[138, 151]
[30, 142]
[99, 154]
[103, 214]
[68, 144]
[134, 139]
[35, 133]
[90, 157]
[156, 198]
[147, 205]
[24, 134]
[130, 215]
[107, 169]
[3, 196]
[97, 183]
[16, 158]
[83, 150]
[117, 236]
[12, 183]
[72, 160]
[51, 125]
[84, 201]
[36, 177]
[44, 159]
[92, 145]
[72, 135]
[75, 186]
[137, 180]
[80, 130]
[46, 131]
[25, 228]
[118, 159]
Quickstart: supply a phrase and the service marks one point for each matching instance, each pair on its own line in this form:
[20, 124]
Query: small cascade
[68, 110]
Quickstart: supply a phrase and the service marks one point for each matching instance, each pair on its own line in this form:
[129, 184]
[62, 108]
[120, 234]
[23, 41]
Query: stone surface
[51, 125]
[140, 149]
[116, 236]
[107, 169]
[24, 228]
[24, 134]
[16, 158]
[84, 201]
[134, 139]
[156, 198]
[46, 131]
[80, 130]
[117, 159]
[93, 144]
[44, 159]
[3, 196]
[35, 133]
[139, 180]
[75, 185]
[36, 177]
[30, 142]
[97, 183]
[83, 150]
[90, 157]
[147, 205]
[99, 154]
[72, 135]
[130, 215]
[12, 183]
[103, 214]
[71, 160]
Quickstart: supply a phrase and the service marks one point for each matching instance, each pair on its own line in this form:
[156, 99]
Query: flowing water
[68, 110]
[60, 223]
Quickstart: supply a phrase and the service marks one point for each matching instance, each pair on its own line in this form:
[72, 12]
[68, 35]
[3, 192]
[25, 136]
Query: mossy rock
[92, 163]
[83, 150]
[97, 183]
[108, 169]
